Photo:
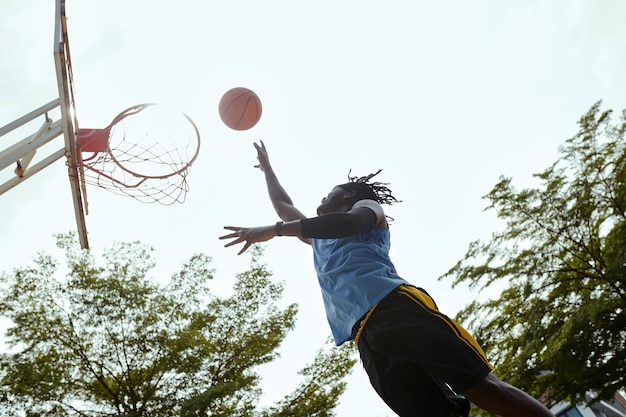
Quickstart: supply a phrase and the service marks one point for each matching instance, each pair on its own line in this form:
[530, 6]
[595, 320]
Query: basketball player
[417, 359]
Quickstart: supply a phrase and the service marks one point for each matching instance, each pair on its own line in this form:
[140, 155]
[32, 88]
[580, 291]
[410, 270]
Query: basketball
[240, 108]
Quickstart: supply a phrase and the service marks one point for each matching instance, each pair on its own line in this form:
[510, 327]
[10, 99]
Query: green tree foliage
[559, 327]
[109, 341]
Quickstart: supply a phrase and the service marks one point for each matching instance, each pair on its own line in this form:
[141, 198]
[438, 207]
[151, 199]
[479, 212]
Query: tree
[559, 327]
[109, 341]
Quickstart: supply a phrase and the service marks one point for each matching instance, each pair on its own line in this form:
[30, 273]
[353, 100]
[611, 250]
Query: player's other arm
[363, 216]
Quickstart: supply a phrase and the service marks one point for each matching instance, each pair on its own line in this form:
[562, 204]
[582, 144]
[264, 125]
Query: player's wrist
[278, 228]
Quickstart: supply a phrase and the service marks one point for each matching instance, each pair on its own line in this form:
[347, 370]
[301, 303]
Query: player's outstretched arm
[280, 199]
[329, 226]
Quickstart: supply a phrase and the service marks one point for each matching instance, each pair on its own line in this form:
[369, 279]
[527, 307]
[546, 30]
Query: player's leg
[390, 346]
[464, 359]
[498, 397]
[440, 347]
[406, 389]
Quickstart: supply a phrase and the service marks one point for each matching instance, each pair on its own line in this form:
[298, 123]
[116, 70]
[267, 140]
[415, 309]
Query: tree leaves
[559, 327]
[108, 340]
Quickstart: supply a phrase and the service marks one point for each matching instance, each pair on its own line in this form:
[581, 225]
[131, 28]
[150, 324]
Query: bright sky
[444, 96]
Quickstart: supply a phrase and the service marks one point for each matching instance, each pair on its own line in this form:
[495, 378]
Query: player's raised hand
[264, 161]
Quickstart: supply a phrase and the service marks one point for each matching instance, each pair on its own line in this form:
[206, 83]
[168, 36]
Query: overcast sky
[444, 96]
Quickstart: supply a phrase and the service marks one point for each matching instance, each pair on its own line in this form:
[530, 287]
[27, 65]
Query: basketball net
[144, 153]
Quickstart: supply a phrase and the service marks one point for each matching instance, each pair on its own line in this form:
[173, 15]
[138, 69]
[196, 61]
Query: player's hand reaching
[249, 235]
[264, 161]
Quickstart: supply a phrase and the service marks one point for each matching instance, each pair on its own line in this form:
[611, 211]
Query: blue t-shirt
[354, 274]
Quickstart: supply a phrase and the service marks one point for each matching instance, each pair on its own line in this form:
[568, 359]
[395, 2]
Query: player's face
[337, 201]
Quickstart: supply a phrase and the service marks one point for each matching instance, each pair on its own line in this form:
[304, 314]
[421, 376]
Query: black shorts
[417, 358]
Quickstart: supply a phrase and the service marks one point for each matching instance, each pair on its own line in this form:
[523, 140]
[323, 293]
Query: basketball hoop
[144, 153]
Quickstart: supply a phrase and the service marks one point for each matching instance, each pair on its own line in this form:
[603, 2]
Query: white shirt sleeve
[374, 206]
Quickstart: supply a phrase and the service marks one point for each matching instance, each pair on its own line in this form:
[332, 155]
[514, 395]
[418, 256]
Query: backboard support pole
[21, 155]
[68, 116]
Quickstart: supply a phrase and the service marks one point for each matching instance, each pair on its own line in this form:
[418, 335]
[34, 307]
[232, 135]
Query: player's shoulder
[374, 206]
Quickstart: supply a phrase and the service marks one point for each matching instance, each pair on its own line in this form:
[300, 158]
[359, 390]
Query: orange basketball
[240, 108]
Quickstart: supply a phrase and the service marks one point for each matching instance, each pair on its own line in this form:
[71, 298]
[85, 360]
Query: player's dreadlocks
[366, 189]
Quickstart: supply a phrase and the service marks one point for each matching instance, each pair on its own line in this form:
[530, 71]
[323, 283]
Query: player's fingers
[229, 236]
[238, 231]
[234, 242]
[245, 247]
